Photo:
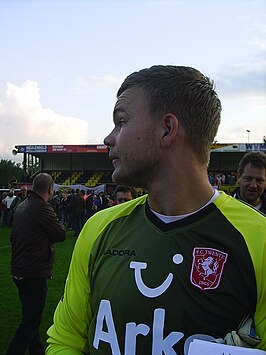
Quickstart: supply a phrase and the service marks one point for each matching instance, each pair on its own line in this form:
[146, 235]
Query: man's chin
[118, 178]
[121, 179]
[252, 200]
[252, 196]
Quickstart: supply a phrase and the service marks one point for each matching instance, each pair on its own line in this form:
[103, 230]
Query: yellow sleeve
[260, 314]
[252, 225]
[68, 334]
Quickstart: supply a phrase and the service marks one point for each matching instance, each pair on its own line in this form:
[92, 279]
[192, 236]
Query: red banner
[99, 148]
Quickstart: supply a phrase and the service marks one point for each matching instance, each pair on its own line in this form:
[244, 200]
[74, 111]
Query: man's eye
[260, 181]
[247, 179]
[121, 121]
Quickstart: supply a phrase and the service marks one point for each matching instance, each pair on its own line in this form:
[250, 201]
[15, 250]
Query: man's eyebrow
[118, 110]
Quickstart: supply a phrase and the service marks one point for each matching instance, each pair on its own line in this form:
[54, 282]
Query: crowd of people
[72, 206]
[222, 178]
[8, 204]
[75, 207]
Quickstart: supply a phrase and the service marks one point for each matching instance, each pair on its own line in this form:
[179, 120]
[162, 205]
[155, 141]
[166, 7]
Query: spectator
[35, 229]
[211, 178]
[103, 201]
[182, 260]
[55, 203]
[23, 193]
[123, 194]
[83, 217]
[251, 177]
[95, 204]
[223, 178]
[231, 178]
[89, 204]
[76, 208]
[2, 206]
[68, 209]
[21, 196]
[63, 207]
[218, 181]
[7, 202]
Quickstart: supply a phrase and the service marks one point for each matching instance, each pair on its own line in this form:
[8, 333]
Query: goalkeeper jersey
[139, 286]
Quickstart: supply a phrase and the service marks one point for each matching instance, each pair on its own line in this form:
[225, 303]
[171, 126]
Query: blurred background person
[76, 207]
[123, 194]
[251, 178]
[35, 229]
[63, 207]
[7, 202]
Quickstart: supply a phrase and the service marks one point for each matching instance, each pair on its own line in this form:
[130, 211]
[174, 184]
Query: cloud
[237, 133]
[247, 77]
[23, 120]
[259, 40]
[239, 80]
[242, 116]
[84, 85]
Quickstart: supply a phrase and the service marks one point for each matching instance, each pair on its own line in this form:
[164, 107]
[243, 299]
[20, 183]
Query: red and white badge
[207, 267]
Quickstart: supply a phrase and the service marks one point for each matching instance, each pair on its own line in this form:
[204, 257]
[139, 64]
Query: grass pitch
[10, 307]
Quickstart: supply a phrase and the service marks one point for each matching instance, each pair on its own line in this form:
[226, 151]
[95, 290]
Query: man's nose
[253, 183]
[109, 140]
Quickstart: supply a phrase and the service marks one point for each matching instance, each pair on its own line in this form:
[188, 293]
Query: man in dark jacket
[251, 177]
[35, 229]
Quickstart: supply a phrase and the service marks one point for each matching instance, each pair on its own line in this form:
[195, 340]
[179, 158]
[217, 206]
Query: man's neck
[181, 198]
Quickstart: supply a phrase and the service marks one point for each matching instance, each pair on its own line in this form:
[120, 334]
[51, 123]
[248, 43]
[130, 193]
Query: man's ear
[170, 127]
[51, 191]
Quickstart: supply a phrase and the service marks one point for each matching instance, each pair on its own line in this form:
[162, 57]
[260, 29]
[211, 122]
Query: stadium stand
[89, 165]
[88, 178]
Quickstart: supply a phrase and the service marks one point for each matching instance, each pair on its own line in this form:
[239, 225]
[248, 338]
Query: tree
[8, 169]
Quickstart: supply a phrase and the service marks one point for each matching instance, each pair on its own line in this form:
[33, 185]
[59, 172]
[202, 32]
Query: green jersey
[139, 286]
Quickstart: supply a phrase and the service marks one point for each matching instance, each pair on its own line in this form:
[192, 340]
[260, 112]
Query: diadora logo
[207, 267]
[120, 252]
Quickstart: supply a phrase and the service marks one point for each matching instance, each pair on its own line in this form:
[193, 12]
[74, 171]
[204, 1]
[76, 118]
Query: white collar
[169, 219]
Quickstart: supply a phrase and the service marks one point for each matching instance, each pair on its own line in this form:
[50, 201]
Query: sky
[62, 62]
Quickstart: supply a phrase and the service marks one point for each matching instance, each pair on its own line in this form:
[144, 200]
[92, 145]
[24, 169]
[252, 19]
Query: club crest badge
[207, 267]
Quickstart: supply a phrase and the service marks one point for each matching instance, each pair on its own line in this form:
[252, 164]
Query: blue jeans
[32, 293]
[62, 216]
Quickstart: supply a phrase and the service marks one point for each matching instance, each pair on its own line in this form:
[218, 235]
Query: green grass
[10, 307]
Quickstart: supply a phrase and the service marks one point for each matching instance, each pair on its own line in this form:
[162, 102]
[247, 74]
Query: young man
[123, 194]
[35, 229]
[183, 260]
[251, 177]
